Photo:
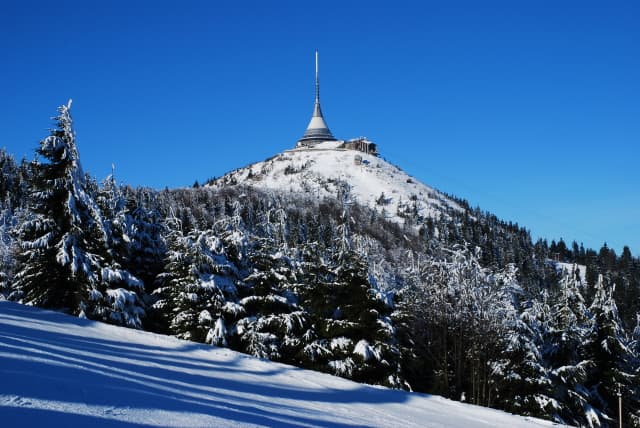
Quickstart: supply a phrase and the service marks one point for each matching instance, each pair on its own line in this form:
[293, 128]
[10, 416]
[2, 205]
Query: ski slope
[61, 371]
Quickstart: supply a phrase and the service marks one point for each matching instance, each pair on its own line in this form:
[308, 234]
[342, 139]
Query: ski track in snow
[57, 370]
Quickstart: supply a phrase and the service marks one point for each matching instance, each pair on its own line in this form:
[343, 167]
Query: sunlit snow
[323, 170]
[57, 370]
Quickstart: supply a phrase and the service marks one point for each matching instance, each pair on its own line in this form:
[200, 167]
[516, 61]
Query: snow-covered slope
[321, 172]
[571, 268]
[56, 370]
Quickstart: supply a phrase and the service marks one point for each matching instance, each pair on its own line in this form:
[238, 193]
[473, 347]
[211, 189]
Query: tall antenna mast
[317, 131]
[317, 80]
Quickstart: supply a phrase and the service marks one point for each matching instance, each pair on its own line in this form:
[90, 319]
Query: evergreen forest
[465, 306]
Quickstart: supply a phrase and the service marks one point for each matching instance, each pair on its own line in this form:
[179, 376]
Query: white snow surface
[571, 268]
[57, 370]
[316, 172]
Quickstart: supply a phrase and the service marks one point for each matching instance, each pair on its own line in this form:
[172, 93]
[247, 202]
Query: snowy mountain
[278, 275]
[58, 370]
[328, 171]
[323, 258]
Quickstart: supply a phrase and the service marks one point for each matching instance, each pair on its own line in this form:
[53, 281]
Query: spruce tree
[193, 290]
[57, 262]
[11, 186]
[274, 322]
[565, 353]
[8, 221]
[351, 333]
[522, 376]
[635, 341]
[613, 371]
[125, 292]
[144, 249]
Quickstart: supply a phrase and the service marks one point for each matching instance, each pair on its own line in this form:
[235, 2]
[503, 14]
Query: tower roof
[317, 131]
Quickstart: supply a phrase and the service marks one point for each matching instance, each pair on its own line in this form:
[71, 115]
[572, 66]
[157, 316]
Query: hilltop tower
[317, 131]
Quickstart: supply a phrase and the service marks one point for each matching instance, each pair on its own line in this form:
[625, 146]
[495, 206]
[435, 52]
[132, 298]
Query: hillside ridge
[326, 171]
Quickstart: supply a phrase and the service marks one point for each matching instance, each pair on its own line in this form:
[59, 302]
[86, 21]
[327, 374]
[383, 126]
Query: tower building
[317, 131]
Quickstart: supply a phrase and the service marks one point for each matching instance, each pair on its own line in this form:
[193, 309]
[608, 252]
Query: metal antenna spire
[317, 80]
[317, 131]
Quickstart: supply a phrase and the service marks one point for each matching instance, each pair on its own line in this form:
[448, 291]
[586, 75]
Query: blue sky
[529, 109]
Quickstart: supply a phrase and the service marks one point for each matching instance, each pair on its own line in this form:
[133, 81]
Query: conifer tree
[11, 185]
[124, 291]
[350, 333]
[193, 289]
[8, 222]
[635, 341]
[144, 250]
[613, 371]
[565, 353]
[274, 322]
[58, 264]
[521, 373]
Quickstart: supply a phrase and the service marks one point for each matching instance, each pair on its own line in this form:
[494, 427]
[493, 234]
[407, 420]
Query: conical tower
[317, 131]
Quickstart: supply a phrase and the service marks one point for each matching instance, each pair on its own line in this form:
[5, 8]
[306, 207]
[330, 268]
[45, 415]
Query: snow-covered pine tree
[613, 371]
[193, 290]
[635, 342]
[144, 252]
[635, 348]
[522, 377]
[273, 323]
[358, 305]
[113, 205]
[10, 199]
[351, 333]
[565, 354]
[11, 180]
[230, 228]
[57, 261]
[8, 223]
[124, 294]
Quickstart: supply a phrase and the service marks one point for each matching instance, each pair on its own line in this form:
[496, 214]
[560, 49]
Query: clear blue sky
[529, 109]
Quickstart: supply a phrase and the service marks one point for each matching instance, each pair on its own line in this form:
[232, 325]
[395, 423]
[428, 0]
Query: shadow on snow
[38, 363]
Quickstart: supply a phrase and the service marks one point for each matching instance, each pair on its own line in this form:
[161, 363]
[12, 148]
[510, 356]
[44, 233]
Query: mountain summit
[329, 170]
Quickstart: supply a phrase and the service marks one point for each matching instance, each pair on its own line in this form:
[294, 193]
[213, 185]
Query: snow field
[57, 370]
